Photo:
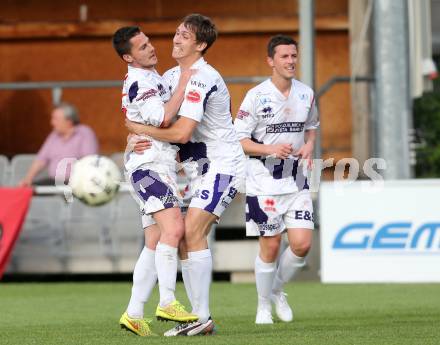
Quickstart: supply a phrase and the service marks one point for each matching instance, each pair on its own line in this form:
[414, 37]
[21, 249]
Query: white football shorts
[156, 191]
[271, 215]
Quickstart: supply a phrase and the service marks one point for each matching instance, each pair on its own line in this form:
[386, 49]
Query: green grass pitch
[88, 313]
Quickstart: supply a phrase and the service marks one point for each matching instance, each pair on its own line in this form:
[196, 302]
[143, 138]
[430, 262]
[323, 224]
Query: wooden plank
[272, 24]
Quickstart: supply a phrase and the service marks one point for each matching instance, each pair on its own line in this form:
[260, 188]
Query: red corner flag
[14, 203]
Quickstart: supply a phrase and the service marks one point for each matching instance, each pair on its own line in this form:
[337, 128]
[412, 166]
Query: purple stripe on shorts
[221, 183]
[147, 183]
[255, 212]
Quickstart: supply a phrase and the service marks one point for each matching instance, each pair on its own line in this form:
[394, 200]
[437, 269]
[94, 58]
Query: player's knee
[301, 249]
[193, 235]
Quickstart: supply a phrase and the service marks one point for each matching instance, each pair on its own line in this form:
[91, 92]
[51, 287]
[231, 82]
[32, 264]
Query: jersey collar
[141, 70]
[278, 92]
[199, 63]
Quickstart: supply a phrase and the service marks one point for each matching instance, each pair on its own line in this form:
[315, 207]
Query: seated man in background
[69, 139]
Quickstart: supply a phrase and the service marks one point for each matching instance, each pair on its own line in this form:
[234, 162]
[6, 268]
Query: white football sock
[288, 266]
[200, 272]
[166, 266]
[186, 281]
[264, 275]
[144, 279]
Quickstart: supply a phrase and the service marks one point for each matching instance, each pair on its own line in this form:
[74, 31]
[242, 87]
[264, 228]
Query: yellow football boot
[138, 326]
[174, 312]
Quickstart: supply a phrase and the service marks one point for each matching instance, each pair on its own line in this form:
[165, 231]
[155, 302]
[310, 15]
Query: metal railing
[58, 86]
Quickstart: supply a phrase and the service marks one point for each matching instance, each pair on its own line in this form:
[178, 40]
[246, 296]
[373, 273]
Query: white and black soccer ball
[95, 179]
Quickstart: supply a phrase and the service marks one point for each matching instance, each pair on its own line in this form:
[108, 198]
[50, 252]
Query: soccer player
[146, 98]
[207, 138]
[276, 125]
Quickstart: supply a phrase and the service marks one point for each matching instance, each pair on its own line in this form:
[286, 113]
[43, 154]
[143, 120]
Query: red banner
[14, 203]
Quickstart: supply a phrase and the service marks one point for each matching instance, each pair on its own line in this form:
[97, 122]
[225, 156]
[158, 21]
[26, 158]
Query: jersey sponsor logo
[193, 96]
[269, 205]
[204, 194]
[201, 194]
[304, 215]
[147, 94]
[267, 113]
[198, 84]
[268, 227]
[285, 127]
[242, 114]
[264, 100]
[161, 89]
[228, 198]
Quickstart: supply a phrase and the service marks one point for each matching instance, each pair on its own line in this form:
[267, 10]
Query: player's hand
[306, 153]
[281, 151]
[186, 75]
[137, 143]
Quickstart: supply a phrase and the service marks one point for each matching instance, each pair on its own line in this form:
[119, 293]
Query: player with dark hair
[207, 139]
[146, 98]
[276, 125]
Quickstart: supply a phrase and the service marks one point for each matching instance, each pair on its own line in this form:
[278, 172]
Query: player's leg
[196, 273]
[290, 262]
[299, 222]
[265, 268]
[144, 279]
[159, 194]
[264, 219]
[144, 274]
[184, 264]
[199, 222]
[213, 194]
[171, 226]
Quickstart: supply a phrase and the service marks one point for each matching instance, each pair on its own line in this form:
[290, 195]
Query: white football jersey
[266, 116]
[207, 101]
[143, 96]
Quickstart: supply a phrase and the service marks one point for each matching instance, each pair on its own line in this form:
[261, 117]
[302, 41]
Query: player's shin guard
[288, 266]
[144, 280]
[166, 265]
[264, 275]
[200, 273]
[187, 282]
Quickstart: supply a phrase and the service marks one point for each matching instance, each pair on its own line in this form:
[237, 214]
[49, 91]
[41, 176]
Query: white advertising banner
[386, 233]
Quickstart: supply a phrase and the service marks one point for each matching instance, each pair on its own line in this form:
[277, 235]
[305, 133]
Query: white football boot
[282, 308]
[264, 314]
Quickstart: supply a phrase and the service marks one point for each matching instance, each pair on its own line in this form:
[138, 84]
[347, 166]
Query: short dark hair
[279, 40]
[121, 39]
[202, 27]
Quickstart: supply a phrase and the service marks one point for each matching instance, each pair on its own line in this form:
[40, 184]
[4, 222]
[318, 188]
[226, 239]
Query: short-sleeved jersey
[207, 101]
[143, 96]
[266, 116]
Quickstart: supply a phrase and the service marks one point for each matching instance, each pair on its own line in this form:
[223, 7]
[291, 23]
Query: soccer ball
[95, 180]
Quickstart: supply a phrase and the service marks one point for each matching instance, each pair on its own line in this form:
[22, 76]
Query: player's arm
[191, 112]
[144, 98]
[252, 148]
[172, 106]
[245, 123]
[179, 132]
